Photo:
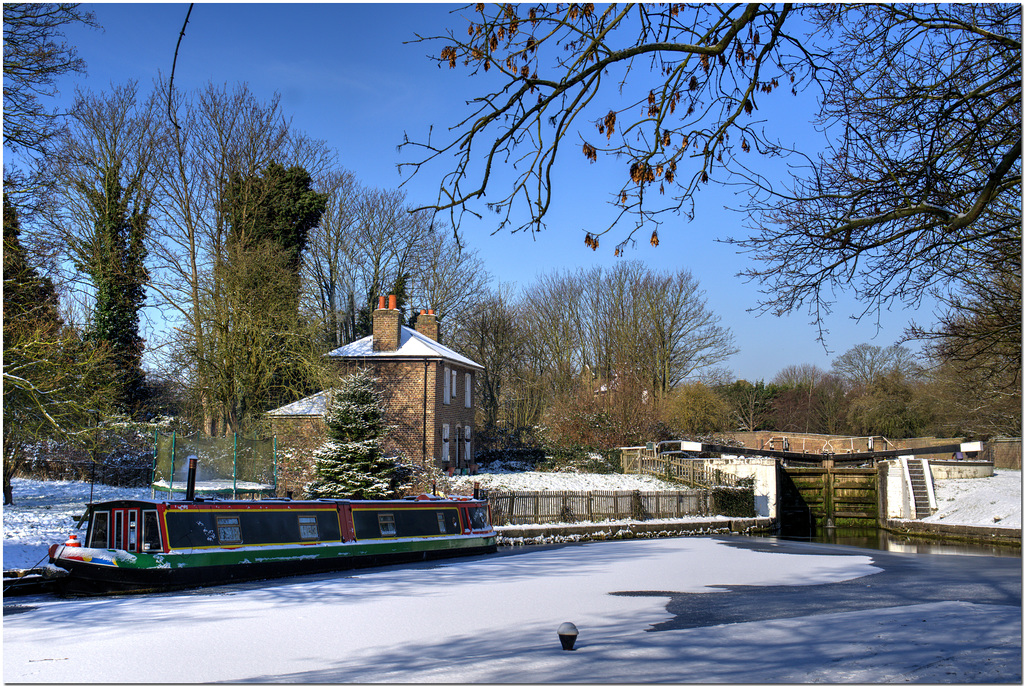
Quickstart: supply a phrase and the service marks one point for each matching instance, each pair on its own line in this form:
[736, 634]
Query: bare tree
[554, 309]
[922, 170]
[105, 167]
[979, 326]
[864, 363]
[625, 334]
[687, 336]
[491, 333]
[920, 106]
[447, 277]
[329, 267]
[35, 57]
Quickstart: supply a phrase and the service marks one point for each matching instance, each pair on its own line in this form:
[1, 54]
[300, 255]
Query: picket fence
[542, 507]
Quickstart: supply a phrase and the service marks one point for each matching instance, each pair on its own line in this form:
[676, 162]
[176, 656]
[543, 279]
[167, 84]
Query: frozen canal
[719, 609]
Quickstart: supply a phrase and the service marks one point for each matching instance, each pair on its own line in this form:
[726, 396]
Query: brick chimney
[387, 329]
[426, 324]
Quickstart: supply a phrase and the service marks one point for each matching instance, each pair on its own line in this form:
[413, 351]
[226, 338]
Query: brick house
[428, 390]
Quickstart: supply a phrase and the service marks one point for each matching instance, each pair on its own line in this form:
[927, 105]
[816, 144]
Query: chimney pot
[387, 329]
[392, 302]
[427, 324]
[380, 303]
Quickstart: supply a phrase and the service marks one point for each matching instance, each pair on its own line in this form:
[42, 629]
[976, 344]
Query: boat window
[229, 530]
[478, 517]
[119, 529]
[99, 530]
[133, 530]
[307, 528]
[151, 531]
[440, 522]
[387, 524]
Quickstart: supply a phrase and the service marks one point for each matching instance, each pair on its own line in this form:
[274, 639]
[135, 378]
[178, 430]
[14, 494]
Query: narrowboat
[155, 545]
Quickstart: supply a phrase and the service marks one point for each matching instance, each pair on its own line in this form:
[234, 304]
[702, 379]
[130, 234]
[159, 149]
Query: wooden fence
[694, 472]
[541, 507]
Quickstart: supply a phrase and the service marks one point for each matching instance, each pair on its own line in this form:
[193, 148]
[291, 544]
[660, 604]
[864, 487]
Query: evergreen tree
[351, 464]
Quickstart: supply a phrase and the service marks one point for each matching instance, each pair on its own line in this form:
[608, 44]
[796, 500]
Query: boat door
[126, 528]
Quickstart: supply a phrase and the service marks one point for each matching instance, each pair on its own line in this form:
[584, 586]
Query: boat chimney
[190, 489]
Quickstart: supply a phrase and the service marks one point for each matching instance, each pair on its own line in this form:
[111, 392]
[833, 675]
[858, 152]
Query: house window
[307, 528]
[467, 436]
[469, 389]
[455, 385]
[447, 397]
[229, 530]
[387, 524]
[445, 455]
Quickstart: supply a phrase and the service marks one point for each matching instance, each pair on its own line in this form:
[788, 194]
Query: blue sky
[347, 76]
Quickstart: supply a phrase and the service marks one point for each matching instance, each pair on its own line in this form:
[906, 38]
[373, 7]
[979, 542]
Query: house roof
[311, 406]
[413, 345]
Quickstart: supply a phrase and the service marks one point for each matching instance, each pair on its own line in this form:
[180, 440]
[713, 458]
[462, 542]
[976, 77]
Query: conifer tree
[351, 464]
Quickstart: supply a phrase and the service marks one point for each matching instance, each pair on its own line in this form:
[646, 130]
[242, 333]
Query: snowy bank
[987, 501]
[560, 481]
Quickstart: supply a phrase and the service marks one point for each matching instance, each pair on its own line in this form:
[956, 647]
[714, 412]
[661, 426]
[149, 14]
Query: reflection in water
[879, 539]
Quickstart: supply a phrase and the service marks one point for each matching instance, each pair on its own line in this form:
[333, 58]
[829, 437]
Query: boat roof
[256, 504]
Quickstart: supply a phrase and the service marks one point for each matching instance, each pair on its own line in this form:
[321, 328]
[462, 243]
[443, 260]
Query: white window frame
[309, 528]
[447, 387]
[467, 436]
[445, 433]
[455, 384]
[229, 529]
[469, 389]
[386, 522]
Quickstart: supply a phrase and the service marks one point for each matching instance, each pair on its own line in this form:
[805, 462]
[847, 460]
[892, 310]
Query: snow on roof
[412, 344]
[313, 405]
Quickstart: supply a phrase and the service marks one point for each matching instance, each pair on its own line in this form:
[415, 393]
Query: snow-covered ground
[667, 610]
[560, 481]
[987, 501]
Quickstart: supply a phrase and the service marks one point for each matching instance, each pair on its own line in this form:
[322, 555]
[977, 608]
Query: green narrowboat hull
[99, 572]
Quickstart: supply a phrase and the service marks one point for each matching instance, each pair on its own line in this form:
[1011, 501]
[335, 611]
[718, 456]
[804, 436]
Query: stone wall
[1004, 453]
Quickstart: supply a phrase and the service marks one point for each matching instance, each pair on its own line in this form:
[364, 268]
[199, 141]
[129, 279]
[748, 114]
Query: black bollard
[567, 633]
